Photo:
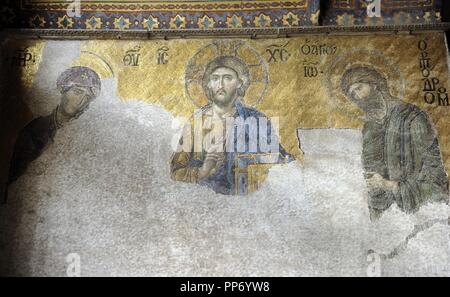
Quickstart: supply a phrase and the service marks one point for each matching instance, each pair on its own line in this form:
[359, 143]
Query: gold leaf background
[298, 101]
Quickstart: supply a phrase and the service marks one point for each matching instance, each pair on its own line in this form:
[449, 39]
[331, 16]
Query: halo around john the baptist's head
[251, 68]
[361, 58]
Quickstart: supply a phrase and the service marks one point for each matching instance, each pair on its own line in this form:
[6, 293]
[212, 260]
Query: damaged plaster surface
[125, 216]
[102, 190]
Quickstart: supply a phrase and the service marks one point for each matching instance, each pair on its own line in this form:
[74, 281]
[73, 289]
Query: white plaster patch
[103, 190]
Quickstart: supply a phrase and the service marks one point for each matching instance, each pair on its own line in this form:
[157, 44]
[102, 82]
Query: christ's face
[75, 101]
[223, 85]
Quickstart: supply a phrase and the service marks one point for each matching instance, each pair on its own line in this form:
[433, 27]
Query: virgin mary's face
[75, 100]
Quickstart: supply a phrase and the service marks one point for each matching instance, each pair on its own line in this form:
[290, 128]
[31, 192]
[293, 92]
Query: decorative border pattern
[159, 15]
[180, 5]
[386, 4]
[354, 12]
[209, 15]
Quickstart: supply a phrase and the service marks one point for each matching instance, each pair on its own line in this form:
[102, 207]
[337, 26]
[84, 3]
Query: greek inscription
[132, 57]
[278, 53]
[315, 49]
[162, 55]
[310, 69]
[21, 57]
[432, 92]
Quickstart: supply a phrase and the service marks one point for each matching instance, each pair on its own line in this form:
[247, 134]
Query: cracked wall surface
[103, 187]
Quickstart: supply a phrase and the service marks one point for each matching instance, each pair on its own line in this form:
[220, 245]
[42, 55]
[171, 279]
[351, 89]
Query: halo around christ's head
[361, 59]
[251, 68]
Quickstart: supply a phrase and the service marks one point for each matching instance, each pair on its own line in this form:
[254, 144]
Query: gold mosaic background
[300, 99]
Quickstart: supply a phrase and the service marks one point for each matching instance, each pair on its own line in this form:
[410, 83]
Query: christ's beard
[226, 100]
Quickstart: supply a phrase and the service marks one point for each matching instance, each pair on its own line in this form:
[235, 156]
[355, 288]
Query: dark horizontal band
[242, 32]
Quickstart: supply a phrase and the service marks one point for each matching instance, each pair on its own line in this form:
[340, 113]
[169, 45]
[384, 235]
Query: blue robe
[185, 165]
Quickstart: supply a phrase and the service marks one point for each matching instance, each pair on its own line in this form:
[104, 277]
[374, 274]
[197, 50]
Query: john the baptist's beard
[373, 105]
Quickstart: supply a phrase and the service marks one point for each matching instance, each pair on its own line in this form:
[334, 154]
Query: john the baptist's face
[76, 100]
[360, 91]
[367, 97]
[223, 85]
